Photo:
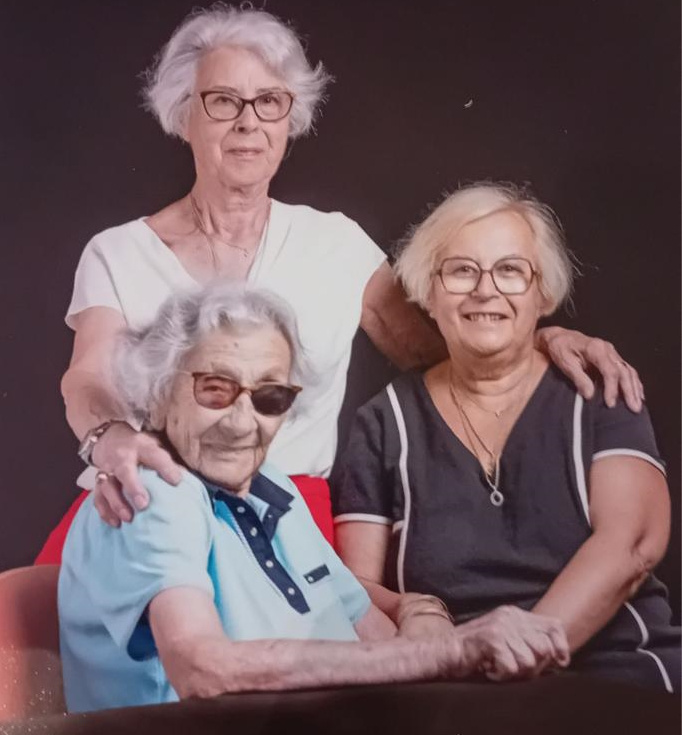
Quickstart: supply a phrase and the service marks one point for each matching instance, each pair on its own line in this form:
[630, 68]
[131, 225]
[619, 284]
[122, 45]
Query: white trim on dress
[580, 476]
[623, 452]
[363, 518]
[405, 480]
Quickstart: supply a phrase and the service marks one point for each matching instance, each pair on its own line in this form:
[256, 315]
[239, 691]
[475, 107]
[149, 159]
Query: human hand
[572, 352]
[117, 454]
[510, 643]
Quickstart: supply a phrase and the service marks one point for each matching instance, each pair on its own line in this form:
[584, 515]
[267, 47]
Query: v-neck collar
[275, 233]
[453, 440]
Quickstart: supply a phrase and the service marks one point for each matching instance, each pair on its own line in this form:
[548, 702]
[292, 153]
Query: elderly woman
[214, 375]
[235, 85]
[487, 480]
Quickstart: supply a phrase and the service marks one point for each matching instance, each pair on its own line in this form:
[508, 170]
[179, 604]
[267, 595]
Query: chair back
[30, 668]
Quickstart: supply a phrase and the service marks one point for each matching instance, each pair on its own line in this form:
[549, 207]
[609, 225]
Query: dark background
[579, 98]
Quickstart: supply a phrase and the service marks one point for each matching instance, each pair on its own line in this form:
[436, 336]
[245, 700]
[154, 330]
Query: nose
[485, 288]
[239, 418]
[247, 120]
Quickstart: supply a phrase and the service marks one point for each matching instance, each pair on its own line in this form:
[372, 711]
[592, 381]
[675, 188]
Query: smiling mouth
[484, 317]
[227, 449]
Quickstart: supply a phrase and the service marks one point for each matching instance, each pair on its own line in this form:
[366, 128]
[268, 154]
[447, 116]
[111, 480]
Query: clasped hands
[505, 644]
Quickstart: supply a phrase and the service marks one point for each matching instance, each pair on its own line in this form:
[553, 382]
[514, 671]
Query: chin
[233, 472]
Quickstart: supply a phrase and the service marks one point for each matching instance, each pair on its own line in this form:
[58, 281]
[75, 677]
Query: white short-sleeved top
[319, 262]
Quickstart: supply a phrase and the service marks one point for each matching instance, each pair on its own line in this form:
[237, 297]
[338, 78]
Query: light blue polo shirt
[262, 558]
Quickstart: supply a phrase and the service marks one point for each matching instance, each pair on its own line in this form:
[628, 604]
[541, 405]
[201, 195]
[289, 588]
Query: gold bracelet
[431, 611]
[428, 604]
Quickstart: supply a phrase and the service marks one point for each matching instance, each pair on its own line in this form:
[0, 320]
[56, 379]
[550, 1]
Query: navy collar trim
[261, 486]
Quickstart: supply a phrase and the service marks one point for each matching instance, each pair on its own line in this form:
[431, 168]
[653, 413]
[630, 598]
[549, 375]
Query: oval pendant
[496, 498]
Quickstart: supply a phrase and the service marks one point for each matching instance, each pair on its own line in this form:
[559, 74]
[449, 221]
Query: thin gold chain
[209, 239]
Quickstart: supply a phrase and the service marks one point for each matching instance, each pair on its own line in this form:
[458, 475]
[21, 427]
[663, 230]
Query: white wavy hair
[146, 360]
[170, 80]
[419, 256]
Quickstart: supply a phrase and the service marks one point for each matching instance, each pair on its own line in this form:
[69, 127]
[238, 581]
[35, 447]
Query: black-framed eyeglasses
[212, 390]
[510, 276]
[224, 106]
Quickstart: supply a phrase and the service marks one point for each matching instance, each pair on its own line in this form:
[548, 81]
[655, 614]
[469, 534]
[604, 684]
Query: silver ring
[102, 476]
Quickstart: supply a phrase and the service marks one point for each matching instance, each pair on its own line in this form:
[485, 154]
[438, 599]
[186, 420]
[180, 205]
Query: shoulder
[190, 489]
[331, 224]
[402, 392]
[129, 235]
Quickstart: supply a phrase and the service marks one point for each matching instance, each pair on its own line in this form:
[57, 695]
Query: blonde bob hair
[419, 257]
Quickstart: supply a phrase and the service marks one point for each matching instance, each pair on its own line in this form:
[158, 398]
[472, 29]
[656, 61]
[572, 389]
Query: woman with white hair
[488, 480]
[235, 85]
[272, 606]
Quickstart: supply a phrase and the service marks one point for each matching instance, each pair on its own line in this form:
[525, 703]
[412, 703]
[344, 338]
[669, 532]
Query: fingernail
[140, 502]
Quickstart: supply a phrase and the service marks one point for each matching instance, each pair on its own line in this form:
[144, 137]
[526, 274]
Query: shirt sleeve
[166, 545]
[93, 283]
[620, 432]
[364, 254]
[362, 487]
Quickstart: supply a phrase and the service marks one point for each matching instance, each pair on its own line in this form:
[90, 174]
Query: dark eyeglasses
[269, 106]
[511, 276]
[215, 391]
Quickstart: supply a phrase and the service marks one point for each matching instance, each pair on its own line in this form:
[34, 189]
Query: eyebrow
[237, 93]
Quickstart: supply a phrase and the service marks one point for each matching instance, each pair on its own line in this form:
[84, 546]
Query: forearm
[415, 615]
[411, 344]
[89, 400]
[218, 666]
[587, 593]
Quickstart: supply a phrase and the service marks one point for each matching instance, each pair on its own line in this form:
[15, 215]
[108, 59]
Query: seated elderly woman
[233, 542]
[487, 480]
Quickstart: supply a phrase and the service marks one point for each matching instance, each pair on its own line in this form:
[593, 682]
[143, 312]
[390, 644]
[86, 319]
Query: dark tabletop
[554, 705]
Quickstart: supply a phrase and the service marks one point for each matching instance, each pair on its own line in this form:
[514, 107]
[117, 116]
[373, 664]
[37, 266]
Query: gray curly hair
[170, 80]
[147, 360]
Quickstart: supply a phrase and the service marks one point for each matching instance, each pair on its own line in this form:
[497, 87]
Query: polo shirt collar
[261, 487]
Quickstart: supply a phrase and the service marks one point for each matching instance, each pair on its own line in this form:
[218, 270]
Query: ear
[546, 306]
[156, 420]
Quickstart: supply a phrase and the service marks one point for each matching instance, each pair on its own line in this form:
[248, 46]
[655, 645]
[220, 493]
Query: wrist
[413, 605]
[93, 437]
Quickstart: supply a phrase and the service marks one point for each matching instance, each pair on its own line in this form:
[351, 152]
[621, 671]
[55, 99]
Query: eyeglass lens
[510, 275]
[218, 391]
[270, 106]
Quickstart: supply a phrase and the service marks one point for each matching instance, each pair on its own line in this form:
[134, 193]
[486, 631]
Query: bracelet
[430, 611]
[429, 605]
[91, 438]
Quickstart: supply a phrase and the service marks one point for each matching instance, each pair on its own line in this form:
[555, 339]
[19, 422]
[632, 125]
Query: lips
[485, 316]
[245, 152]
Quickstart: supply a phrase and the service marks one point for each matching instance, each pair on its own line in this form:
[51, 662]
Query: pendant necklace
[491, 469]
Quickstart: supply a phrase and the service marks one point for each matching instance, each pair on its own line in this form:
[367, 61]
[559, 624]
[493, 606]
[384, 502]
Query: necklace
[497, 413]
[210, 240]
[491, 469]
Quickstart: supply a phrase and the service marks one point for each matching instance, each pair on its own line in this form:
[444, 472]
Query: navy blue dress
[404, 467]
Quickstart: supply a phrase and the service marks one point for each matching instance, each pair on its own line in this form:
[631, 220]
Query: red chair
[30, 668]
